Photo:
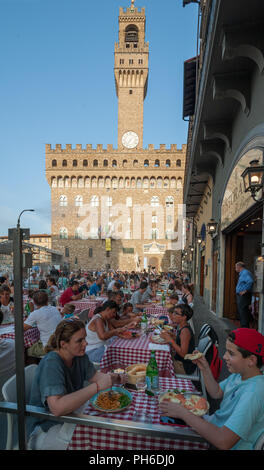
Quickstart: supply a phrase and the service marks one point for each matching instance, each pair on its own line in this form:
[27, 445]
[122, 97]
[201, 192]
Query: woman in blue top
[64, 381]
[239, 421]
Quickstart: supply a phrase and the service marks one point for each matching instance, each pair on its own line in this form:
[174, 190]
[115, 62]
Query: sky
[57, 87]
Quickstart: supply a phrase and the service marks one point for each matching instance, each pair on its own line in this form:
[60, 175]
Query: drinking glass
[141, 384]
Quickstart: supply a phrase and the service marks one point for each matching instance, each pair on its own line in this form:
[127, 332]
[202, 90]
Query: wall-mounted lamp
[253, 179]
[212, 227]
[199, 239]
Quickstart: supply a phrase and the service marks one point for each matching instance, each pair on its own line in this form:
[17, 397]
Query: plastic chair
[203, 346]
[83, 315]
[10, 394]
[260, 443]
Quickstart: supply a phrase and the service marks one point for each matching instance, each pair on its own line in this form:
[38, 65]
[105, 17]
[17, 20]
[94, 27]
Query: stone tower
[131, 76]
[118, 207]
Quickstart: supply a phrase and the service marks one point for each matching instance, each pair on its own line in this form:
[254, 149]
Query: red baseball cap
[251, 340]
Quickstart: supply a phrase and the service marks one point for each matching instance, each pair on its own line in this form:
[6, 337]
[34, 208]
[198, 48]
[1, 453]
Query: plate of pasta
[112, 400]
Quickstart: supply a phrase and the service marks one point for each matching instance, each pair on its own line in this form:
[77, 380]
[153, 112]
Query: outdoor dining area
[138, 424]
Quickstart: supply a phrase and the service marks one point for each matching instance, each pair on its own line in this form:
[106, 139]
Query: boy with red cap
[239, 421]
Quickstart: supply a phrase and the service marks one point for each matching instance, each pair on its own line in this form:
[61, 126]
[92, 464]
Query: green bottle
[152, 374]
[144, 322]
[163, 299]
[27, 308]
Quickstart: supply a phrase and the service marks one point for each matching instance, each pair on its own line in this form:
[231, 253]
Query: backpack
[212, 353]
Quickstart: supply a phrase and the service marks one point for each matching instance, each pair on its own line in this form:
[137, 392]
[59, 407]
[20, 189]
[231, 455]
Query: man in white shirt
[46, 318]
[7, 359]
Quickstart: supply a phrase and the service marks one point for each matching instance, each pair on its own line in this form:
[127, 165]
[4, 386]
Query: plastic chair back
[10, 394]
[83, 315]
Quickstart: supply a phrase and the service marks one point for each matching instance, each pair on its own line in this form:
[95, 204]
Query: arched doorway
[154, 262]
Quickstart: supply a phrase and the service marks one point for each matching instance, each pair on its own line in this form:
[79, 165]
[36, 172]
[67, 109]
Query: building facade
[226, 133]
[120, 208]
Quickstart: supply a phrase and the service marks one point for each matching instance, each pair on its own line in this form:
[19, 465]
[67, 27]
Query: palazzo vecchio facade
[119, 208]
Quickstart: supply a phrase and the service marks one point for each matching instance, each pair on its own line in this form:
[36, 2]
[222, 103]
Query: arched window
[178, 163]
[152, 182]
[159, 182]
[54, 182]
[173, 182]
[108, 182]
[124, 163]
[145, 182]
[87, 182]
[60, 182]
[139, 183]
[95, 163]
[154, 234]
[114, 182]
[157, 163]
[64, 162]
[63, 201]
[94, 201]
[78, 201]
[80, 182]
[133, 183]
[154, 201]
[169, 201]
[179, 183]
[135, 163]
[114, 163]
[94, 182]
[54, 163]
[78, 233]
[166, 182]
[168, 163]
[101, 182]
[63, 232]
[105, 164]
[85, 162]
[127, 183]
[121, 183]
[146, 163]
[131, 33]
[66, 182]
[74, 182]
[75, 163]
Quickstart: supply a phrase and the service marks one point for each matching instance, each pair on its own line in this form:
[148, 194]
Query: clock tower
[131, 76]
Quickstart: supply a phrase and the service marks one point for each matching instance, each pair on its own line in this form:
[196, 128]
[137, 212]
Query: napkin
[159, 347]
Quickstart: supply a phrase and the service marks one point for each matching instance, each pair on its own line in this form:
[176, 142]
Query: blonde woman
[65, 379]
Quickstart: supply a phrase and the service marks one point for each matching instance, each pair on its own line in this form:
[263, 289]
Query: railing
[154, 430]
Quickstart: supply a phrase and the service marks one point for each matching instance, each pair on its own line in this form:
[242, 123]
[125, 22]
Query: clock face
[130, 140]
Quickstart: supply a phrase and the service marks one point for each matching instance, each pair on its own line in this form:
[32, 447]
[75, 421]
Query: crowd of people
[69, 352]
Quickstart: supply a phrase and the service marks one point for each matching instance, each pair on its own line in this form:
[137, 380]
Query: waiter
[243, 293]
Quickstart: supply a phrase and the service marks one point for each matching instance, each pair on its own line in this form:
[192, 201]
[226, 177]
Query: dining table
[85, 303]
[31, 335]
[144, 409]
[125, 352]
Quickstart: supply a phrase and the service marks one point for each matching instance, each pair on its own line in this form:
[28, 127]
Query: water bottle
[144, 322]
[152, 374]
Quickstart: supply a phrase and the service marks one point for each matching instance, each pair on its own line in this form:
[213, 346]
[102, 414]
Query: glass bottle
[152, 374]
[144, 322]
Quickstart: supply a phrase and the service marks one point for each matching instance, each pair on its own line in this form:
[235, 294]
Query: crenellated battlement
[110, 149]
[131, 12]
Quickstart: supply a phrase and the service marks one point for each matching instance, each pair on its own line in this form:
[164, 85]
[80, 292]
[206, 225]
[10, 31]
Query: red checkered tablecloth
[90, 438]
[156, 309]
[31, 335]
[123, 352]
[86, 303]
